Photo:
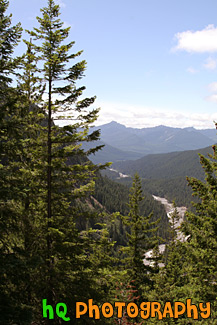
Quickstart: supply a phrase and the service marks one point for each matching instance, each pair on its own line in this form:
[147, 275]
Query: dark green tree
[10, 36]
[62, 176]
[46, 178]
[30, 85]
[174, 260]
[12, 305]
[142, 238]
[190, 270]
[201, 228]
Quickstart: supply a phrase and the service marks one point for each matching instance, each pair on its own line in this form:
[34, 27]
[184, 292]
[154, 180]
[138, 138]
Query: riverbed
[169, 210]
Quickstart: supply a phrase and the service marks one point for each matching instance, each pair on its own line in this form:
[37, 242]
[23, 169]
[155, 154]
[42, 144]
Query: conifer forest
[73, 241]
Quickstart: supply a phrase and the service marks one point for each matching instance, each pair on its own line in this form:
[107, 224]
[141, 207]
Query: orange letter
[145, 306]
[80, 312]
[132, 310]
[191, 307]
[121, 305]
[107, 310]
[93, 307]
[178, 312]
[207, 309]
[156, 309]
[168, 310]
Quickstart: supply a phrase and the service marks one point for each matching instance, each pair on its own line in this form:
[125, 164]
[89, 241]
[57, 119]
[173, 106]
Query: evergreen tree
[141, 239]
[10, 36]
[11, 309]
[46, 179]
[190, 270]
[62, 175]
[201, 228]
[30, 84]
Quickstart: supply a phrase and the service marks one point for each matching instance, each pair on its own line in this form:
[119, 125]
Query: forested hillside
[110, 153]
[114, 198]
[168, 165]
[165, 174]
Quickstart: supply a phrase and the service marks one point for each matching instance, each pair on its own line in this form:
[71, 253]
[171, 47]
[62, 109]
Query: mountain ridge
[166, 165]
[164, 175]
[124, 143]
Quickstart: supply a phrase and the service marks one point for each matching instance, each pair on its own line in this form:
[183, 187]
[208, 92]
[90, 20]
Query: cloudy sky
[149, 62]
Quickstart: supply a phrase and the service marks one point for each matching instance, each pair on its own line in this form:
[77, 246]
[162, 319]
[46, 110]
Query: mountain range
[126, 143]
[167, 165]
[165, 174]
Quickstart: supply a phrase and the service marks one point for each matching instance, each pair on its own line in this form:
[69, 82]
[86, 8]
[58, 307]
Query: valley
[163, 157]
[163, 180]
[163, 175]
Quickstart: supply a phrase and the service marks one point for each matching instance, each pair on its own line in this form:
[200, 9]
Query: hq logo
[61, 311]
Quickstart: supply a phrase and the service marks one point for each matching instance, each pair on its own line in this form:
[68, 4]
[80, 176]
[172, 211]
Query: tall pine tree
[46, 177]
[142, 238]
[64, 189]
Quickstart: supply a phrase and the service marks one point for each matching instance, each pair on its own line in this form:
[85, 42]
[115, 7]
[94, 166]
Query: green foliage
[201, 229]
[173, 189]
[111, 195]
[43, 182]
[164, 175]
[140, 240]
[9, 36]
[59, 239]
[30, 84]
[114, 198]
[67, 254]
[164, 166]
[190, 266]
[169, 282]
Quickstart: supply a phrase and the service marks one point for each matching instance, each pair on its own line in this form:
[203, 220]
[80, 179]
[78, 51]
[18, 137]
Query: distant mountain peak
[163, 127]
[190, 128]
[113, 124]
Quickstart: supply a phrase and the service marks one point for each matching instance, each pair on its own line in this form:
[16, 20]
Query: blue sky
[149, 62]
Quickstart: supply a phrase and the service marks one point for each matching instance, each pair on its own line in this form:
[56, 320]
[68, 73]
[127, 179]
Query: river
[121, 175]
[169, 210]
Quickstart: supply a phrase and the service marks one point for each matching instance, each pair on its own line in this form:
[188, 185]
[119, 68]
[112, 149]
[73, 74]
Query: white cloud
[143, 116]
[200, 41]
[192, 70]
[212, 87]
[210, 64]
[212, 98]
